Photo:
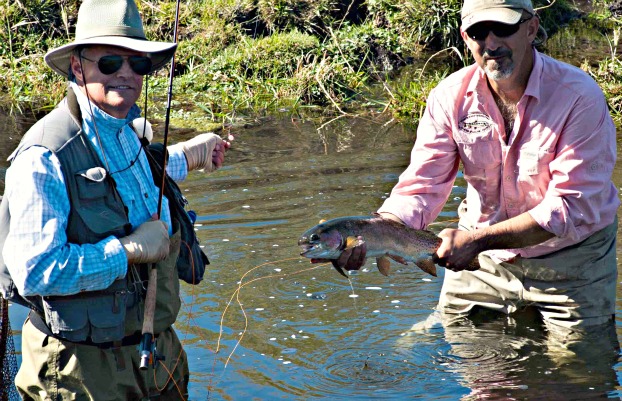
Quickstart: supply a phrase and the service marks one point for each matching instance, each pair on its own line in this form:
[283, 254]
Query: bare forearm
[518, 232]
[459, 247]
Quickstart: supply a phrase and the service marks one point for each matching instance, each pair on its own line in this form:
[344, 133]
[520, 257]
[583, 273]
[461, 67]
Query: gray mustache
[497, 53]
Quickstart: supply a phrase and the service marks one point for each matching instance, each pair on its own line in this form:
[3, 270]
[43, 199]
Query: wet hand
[457, 251]
[350, 259]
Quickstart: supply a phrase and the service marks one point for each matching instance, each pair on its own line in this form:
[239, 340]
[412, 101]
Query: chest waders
[92, 317]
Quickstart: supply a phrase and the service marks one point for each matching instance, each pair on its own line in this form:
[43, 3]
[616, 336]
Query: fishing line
[170, 375]
[236, 295]
[188, 308]
[240, 286]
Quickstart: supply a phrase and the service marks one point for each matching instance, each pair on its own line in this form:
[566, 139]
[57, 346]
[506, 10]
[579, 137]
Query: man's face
[114, 93]
[502, 57]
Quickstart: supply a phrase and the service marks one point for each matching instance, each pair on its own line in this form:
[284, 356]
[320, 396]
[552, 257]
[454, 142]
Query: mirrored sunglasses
[107, 65]
[481, 30]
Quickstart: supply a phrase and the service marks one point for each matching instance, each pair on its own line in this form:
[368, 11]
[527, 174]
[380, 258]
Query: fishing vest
[97, 212]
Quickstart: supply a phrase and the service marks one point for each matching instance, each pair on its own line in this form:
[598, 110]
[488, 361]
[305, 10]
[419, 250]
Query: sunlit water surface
[266, 324]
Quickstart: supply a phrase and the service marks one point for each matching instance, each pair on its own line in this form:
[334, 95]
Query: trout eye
[314, 237]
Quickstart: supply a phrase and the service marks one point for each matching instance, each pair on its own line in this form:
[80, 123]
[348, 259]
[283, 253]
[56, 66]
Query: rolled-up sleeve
[580, 194]
[424, 186]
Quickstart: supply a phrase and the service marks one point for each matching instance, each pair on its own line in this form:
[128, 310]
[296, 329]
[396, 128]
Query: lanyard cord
[98, 137]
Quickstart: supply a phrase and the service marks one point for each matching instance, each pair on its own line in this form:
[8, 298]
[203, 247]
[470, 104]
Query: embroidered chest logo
[475, 122]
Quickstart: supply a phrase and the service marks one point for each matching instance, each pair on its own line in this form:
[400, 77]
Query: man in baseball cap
[536, 144]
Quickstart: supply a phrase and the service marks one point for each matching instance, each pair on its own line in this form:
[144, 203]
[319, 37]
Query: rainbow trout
[383, 238]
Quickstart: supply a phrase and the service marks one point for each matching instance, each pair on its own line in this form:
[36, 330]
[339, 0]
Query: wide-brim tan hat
[111, 23]
[504, 11]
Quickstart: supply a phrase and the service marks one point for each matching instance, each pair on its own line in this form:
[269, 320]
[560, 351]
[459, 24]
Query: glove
[199, 151]
[149, 243]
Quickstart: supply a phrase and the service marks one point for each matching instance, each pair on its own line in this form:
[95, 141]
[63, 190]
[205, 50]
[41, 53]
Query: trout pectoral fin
[340, 270]
[384, 265]
[351, 242]
[427, 266]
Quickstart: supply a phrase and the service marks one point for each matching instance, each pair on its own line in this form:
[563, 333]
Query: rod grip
[146, 344]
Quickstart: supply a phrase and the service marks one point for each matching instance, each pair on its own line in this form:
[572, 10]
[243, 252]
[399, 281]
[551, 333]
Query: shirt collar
[533, 84]
[98, 114]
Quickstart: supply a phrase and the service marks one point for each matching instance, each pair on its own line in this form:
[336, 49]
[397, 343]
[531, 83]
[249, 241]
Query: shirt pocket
[480, 153]
[533, 161]
[533, 170]
[479, 150]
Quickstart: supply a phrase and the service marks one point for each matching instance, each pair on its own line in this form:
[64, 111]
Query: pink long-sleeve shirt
[556, 163]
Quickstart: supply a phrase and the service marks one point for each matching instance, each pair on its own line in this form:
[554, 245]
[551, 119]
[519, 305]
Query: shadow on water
[308, 333]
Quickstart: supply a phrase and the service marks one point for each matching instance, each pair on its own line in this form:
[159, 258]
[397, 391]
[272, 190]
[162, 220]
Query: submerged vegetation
[243, 58]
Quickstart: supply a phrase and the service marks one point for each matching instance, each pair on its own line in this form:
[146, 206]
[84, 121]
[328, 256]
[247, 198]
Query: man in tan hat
[81, 200]
[537, 148]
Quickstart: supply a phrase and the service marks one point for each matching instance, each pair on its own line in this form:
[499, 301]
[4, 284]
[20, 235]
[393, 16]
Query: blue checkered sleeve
[177, 166]
[36, 251]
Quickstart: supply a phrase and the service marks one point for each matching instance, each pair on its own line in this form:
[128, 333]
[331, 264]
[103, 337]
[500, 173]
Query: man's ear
[76, 68]
[463, 34]
[534, 24]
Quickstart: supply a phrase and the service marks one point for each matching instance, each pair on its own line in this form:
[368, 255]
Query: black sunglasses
[107, 65]
[481, 30]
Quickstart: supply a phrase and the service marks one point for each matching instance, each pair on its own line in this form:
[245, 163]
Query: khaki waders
[572, 288]
[55, 369]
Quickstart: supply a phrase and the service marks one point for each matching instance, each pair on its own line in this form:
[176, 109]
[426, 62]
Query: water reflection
[513, 357]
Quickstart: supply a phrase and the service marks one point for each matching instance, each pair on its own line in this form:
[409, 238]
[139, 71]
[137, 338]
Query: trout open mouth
[310, 250]
[310, 245]
[306, 249]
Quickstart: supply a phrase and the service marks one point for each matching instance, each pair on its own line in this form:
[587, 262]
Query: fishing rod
[147, 343]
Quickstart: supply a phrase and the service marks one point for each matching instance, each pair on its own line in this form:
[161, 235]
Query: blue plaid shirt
[36, 251]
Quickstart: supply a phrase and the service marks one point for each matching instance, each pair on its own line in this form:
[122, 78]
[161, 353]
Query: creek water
[266, 324]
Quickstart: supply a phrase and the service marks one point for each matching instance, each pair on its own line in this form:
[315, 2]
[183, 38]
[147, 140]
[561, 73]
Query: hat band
[126, 31]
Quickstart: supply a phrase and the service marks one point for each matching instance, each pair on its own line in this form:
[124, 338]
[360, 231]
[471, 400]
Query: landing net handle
[8, 392]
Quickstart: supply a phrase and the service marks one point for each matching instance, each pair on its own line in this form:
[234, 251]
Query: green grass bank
[239, 59]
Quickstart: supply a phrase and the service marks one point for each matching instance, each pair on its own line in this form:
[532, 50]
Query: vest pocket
[95, 207]
[91, 183]
[98, 316]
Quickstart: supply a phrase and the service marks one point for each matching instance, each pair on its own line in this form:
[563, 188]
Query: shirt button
[508, 178]
[146, 195]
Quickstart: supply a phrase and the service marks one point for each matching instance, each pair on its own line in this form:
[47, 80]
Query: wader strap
[118, 355]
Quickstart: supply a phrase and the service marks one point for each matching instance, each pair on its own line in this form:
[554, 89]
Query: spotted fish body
[383, 238]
